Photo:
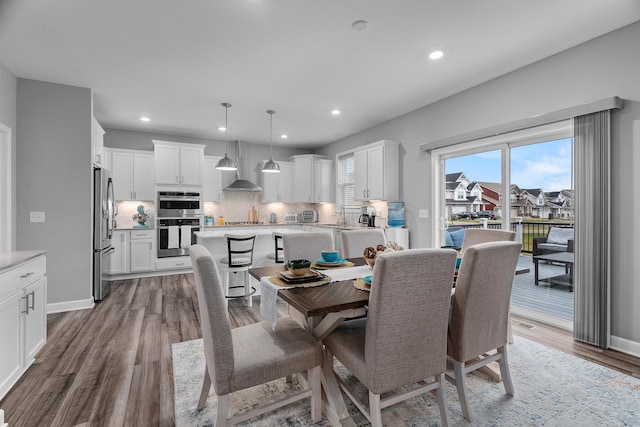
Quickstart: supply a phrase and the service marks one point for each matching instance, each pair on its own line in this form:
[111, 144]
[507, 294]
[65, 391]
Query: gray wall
[54, 175]
[8, 89]
[604, 67]
[252, 154]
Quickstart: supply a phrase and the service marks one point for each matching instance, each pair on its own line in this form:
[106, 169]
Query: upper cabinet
[377, 171]
[97, 143]
[214, 180]
[309, 185]
[178, 164]
[132, 174]
[323, 177]
[278, 187]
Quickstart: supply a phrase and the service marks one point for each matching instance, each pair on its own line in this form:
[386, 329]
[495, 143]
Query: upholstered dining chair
[354, 241]
[403, 339]
[480, 314]
[473, 236]
[305, 245]
[243, 357]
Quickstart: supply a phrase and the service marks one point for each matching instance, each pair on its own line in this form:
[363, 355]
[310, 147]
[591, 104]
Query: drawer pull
[179, 263]
[24, 276]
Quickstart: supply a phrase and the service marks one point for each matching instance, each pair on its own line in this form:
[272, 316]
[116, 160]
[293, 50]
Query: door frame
[6, 189]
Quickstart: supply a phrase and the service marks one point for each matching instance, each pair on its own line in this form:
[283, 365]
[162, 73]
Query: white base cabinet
[135, 251]
[120, 256]
[23, 322]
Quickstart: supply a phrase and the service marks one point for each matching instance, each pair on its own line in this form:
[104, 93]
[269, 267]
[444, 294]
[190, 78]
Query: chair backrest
[406, 331]
[240, 249]
[305, 245]
[214, 317]
[354, 241]
[559, 235]
[473, 236]
[480, 309]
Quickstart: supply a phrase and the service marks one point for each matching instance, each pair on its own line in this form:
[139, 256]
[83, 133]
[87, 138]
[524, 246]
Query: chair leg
[223, 410]
[442, 402]
[206, 387]
[375, 410]
[314, 376]
[247, 289]
[504, 371]
[458, 369]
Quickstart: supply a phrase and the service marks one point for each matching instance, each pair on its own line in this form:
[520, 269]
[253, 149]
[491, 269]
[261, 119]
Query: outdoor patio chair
[558, 239]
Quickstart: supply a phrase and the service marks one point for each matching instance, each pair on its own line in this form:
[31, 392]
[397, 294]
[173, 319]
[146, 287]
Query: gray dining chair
[473, 236]
[480, 314]
[247, 356]
[403, 340]
[305, 245]
[354, 241]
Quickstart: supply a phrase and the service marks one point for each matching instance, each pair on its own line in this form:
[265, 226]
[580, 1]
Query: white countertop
[11, 259]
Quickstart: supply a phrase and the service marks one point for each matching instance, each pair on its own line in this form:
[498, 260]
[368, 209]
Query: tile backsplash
[127, 209]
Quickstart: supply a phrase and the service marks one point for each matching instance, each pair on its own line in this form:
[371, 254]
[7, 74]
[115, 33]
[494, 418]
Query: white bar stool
[239, 259]
[277, 256]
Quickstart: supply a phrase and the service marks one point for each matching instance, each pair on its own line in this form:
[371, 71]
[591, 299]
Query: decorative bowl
[370, 261]
[330, 256]
[299, 267]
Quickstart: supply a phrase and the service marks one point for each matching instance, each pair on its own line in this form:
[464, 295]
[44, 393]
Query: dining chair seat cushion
[288, 348]
[237, 261]
[347, 344]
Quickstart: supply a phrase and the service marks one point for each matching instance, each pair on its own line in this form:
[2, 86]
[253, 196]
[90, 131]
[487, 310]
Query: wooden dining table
[321, 309]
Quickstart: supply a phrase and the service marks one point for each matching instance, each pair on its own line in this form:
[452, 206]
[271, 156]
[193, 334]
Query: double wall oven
[179, 217]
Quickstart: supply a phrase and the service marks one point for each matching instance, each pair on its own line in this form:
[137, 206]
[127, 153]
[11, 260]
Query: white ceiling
[177, 60]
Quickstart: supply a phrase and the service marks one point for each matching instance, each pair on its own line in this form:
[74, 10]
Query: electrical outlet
[423, 213]
[36, 216]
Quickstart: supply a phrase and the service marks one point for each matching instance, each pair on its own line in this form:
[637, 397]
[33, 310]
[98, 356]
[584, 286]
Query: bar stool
[239, 259]
[277, 254]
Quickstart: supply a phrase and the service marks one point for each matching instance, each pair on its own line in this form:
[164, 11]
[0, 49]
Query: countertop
[285, 224]
[133, 228]
[9, 260]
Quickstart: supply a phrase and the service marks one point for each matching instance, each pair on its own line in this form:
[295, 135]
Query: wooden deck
[555, 300]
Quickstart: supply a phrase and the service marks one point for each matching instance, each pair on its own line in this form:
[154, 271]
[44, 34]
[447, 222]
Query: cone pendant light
[270, 166]
[226, 163]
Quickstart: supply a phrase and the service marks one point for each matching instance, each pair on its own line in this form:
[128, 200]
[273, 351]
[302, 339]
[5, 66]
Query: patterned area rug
[552, 388]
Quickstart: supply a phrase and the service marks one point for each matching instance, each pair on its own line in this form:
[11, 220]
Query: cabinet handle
[26, 305]
[179, 263]
[24, 276]
[135, 195]
[33, 300]
[177, 179]
[122, 237]
[150, 245]
[98, 158]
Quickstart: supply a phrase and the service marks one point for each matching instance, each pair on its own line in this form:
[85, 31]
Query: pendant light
[270, 166]
[226, 163]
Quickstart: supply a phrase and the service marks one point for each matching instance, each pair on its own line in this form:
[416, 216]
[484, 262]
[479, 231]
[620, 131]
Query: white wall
[54, 174]
[604, 67]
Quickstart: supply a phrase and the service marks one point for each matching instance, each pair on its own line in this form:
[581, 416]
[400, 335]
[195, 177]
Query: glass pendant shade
[226, 163]
[270, 166]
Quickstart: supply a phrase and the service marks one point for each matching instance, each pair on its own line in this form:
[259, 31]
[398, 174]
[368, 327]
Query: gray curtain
[592, 260]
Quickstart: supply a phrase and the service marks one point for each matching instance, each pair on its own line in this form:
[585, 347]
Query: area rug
[552, 388]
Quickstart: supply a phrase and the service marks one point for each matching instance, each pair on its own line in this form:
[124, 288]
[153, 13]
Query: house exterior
[462, 195]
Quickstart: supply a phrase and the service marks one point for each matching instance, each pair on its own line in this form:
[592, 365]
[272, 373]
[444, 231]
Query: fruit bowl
[299, 267]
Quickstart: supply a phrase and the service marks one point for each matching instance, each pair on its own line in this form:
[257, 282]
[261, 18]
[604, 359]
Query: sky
[546, 165]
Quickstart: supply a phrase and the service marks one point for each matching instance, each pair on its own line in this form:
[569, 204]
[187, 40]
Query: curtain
[592, 260]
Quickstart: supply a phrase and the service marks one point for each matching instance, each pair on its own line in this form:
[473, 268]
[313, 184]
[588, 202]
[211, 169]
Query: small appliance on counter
[309, 216]
[366, 214]
[290, 218]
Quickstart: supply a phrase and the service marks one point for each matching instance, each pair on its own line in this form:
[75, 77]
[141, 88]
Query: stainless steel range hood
[241, 184]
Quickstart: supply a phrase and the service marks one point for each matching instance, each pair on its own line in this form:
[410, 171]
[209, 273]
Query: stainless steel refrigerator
[104, 211]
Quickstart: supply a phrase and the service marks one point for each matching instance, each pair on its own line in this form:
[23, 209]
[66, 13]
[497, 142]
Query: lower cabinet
[120, 256]
[134, 251]
[23, 322]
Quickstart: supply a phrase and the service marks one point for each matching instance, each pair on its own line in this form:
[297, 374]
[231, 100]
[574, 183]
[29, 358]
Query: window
[345, 182]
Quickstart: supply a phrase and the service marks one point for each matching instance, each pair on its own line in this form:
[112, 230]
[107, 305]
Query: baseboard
[153, 273]
[543, 318]
[625, 346]
[59, 307]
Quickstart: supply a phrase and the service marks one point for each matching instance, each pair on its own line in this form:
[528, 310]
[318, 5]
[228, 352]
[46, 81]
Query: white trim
[625, 346]
[139, 275]
[59, 307]
[6, 191]
[542, 318]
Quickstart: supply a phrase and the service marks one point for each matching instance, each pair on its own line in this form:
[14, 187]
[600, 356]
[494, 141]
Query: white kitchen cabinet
[97, 143]
[120, 256]
[323, 181]
[214, 180]
[377, 171]
[278, 187]
[132, 174]
[303, 177]
[23, 328]
[142, 252]
[178, 164]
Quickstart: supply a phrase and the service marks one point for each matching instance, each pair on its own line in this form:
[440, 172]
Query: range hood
[242, 184]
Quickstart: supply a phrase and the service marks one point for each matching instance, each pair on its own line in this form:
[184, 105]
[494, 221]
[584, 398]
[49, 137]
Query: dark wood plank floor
[112, 365]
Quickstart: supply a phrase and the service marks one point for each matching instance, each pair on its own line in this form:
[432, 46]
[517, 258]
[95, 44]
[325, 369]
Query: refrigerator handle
[111, 208]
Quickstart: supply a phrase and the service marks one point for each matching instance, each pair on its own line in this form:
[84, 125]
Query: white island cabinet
[23, 322]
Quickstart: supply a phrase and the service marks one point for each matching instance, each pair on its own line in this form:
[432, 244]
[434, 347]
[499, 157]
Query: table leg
[334, 407]
[535, 272]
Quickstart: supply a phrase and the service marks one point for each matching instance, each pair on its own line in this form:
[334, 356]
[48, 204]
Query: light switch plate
[423, 213]
[36, 216]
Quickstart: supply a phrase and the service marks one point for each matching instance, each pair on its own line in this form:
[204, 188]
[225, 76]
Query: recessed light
[284, 136]
[145, 119]
[335, 112]
[222, 128]
[359, 25]
[436, 54]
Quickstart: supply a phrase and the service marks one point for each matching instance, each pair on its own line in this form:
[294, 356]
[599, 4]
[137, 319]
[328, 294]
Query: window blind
[346, 179]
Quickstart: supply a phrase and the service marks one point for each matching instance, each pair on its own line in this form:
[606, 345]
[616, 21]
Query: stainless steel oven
[179, 204]
[175, 235]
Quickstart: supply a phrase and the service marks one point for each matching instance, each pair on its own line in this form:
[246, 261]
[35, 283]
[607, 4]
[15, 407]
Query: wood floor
[112, 365]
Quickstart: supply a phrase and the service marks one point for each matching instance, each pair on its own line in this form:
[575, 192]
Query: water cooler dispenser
[395, 221]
